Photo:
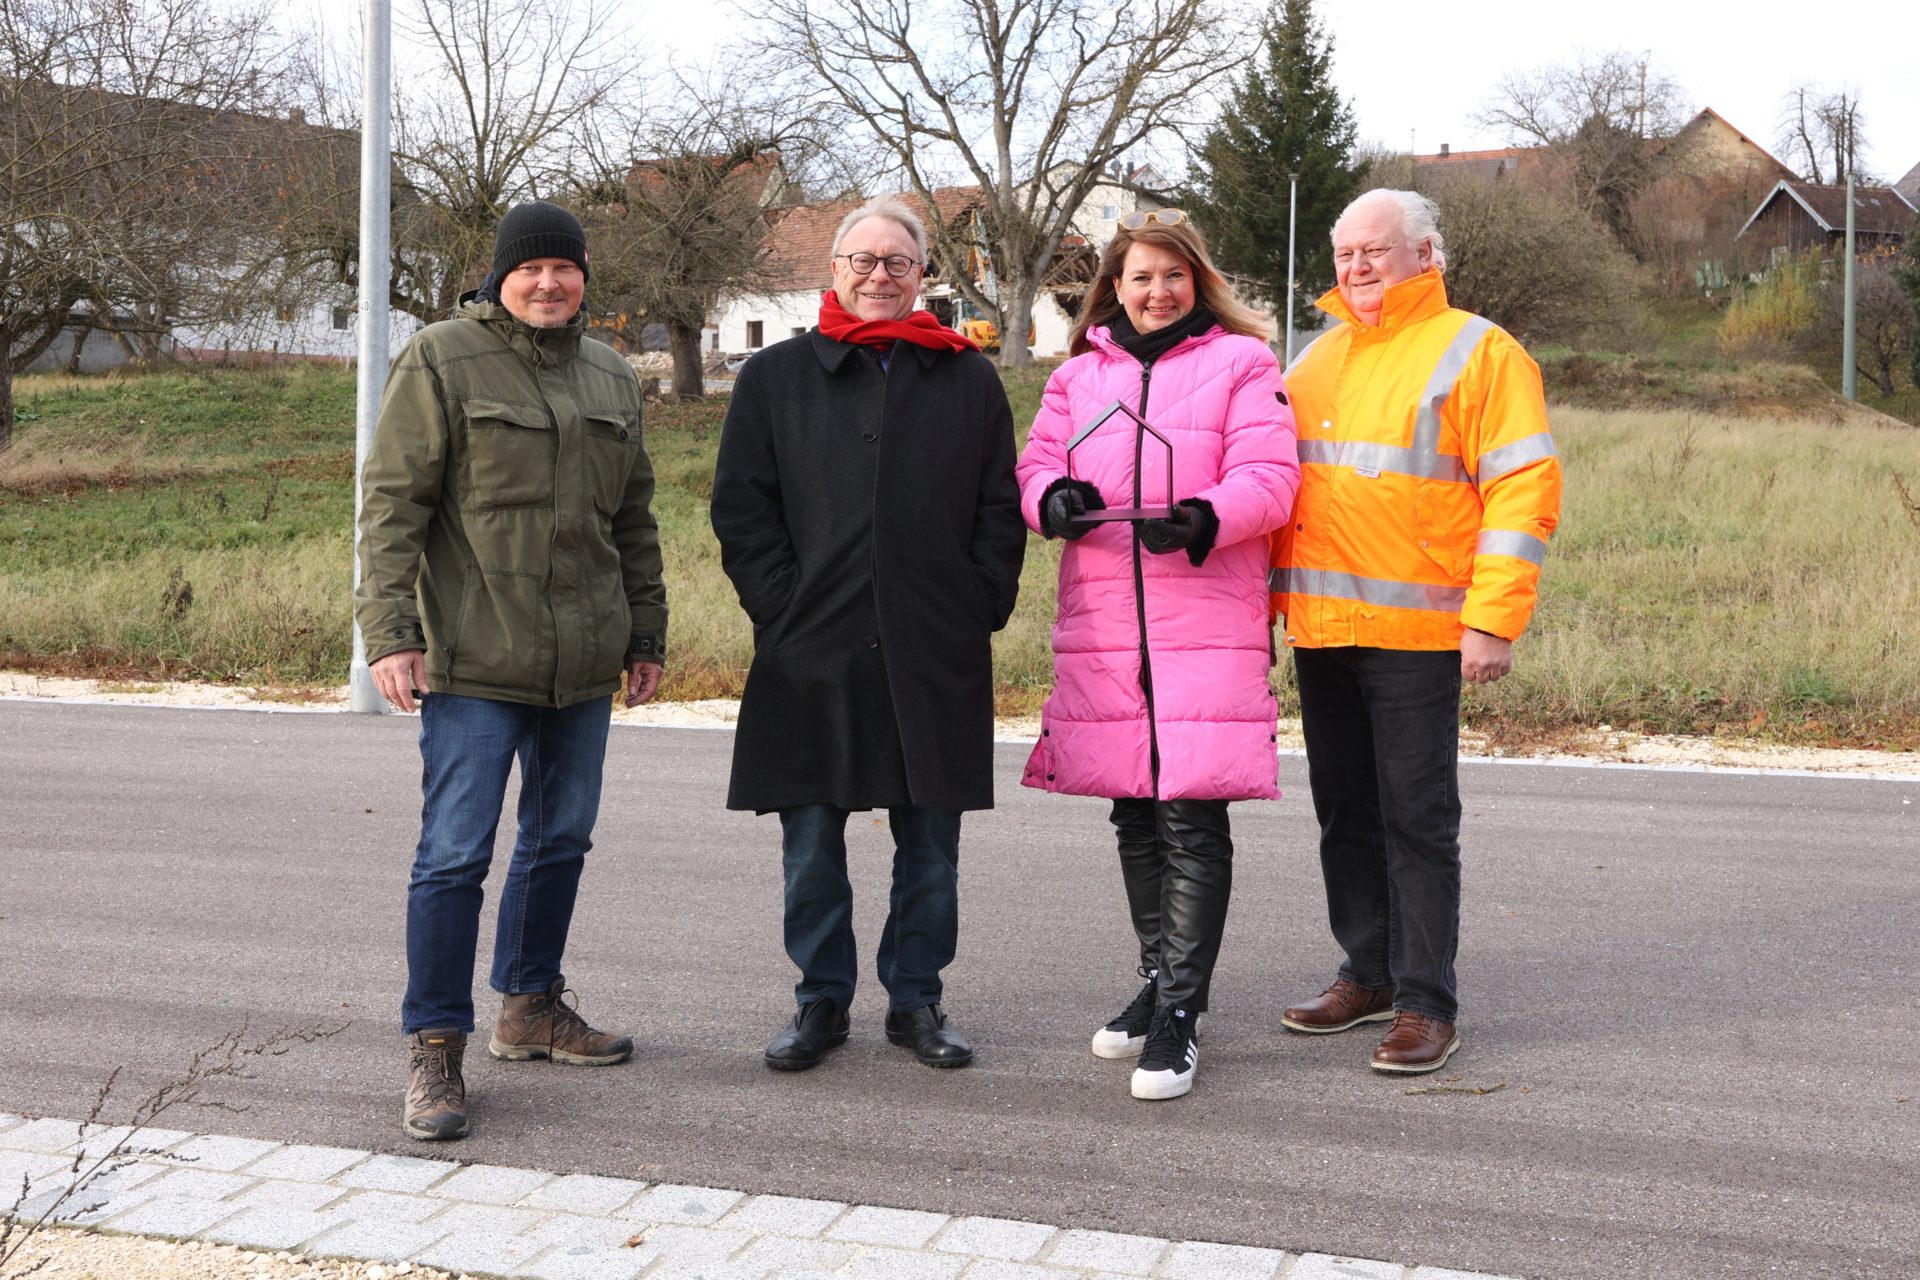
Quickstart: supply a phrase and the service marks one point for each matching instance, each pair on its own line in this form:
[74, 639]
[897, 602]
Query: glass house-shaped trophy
[1142, 429]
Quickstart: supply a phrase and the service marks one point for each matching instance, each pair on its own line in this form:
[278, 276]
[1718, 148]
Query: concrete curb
[492, 1220]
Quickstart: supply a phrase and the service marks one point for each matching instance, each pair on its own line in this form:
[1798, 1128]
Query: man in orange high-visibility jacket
[1429, 485]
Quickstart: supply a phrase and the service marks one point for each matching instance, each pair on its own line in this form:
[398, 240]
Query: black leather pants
[1176, 858]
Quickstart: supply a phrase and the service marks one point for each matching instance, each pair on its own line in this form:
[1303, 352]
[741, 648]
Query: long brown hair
[1210, 288]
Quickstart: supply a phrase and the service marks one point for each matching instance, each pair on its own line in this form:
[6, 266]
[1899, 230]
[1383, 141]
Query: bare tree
[494, 103]
[1031, 101]
[1818, 124]
[131, 135]
[676, 211]
[1530, 261]
[1598, 117]
[1883, 314]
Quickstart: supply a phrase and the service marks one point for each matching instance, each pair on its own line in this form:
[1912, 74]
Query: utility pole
[1849, 364]
[375, 239]
[1293, 208]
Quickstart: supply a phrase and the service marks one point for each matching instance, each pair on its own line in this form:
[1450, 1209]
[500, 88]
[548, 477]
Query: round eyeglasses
[898, 264]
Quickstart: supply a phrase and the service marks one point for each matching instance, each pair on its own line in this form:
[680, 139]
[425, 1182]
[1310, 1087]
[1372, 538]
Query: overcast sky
[1420, 71]
[1426, 68]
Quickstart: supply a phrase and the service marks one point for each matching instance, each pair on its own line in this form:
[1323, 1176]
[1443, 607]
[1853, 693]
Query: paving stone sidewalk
[489, 1220]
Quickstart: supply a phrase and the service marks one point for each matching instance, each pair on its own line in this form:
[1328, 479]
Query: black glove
[1061, 507]
[1191, 527]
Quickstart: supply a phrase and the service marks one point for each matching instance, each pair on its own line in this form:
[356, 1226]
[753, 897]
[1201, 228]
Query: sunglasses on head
[1165, 217]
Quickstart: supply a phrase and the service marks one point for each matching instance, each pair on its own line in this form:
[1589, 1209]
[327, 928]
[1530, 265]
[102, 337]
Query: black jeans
[1176, 857]
[923, 913]
[1383, 741]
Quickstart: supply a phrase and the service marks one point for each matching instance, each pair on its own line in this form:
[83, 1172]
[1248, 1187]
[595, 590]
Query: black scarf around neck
[1146, 347]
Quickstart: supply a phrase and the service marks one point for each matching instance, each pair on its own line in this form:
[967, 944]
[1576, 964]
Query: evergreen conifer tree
[1283, 117]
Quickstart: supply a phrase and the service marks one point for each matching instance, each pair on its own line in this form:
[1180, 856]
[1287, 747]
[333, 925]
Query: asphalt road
[1698, 991]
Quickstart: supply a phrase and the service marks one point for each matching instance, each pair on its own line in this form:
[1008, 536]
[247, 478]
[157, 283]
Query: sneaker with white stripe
[1171, 1056]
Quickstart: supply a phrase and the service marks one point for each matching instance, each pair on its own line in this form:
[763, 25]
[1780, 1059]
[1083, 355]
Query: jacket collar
[832, 354]
[536, 346]
[1408, 302]
[1101, 338]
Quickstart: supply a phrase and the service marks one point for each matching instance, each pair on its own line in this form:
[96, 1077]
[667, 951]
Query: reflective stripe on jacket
[1429, 481]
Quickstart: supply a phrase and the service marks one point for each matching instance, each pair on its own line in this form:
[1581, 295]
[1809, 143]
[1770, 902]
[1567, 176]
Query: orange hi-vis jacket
[1429, 482]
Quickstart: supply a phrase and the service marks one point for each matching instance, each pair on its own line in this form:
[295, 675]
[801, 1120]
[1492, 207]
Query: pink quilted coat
[1209, 721]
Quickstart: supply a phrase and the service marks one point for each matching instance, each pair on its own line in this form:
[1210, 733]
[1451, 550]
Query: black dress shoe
[926, 1032]
[819, 1026]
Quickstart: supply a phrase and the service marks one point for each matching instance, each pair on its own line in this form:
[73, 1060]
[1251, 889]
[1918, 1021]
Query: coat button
[1049, 777]
[623, 433]
[869, 436]
[1046, 733]
[873, 642]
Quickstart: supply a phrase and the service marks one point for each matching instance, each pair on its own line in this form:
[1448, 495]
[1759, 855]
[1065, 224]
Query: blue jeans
[1383, 744]
[467, 748]
[923, 914]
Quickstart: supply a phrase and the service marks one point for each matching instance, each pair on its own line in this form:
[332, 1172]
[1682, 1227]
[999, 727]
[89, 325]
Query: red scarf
[919, 328]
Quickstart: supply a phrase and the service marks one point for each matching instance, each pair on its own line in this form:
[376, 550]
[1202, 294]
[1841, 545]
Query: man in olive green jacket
[510, 571]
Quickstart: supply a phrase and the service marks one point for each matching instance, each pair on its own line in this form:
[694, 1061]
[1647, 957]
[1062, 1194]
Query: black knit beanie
[537, 229]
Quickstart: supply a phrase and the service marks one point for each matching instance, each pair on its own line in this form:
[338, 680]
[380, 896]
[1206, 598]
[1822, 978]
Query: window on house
[716, 341]
[1111, 212]
[342, 318]
[756, 334]
[796, 331]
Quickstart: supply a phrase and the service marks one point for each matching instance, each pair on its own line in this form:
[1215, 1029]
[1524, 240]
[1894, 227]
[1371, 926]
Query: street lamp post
[1849, 339]
[375, 191]
[1293, 207]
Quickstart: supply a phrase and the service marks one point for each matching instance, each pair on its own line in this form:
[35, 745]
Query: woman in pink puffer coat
[1162, 643]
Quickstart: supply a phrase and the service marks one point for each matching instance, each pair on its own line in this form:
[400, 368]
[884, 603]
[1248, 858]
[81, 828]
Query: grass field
[1712, 574]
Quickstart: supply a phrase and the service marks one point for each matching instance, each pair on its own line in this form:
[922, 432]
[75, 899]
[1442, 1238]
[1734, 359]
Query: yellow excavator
[986, 337]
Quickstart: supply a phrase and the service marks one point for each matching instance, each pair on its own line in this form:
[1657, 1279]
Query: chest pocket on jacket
[509, 455]
[613, 442]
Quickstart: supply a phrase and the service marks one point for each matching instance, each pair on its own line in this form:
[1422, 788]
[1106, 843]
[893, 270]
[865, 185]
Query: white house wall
[308, 333]
[779, 315]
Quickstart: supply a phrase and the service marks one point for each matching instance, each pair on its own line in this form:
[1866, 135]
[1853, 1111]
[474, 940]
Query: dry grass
[1711, 574]
[272, 615]
[36, 466]
[1715, 574]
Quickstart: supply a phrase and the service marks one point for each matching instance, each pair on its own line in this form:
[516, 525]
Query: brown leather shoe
[1416, 1044]
[436, 1091]
[1342, 1005]
[542, 1025]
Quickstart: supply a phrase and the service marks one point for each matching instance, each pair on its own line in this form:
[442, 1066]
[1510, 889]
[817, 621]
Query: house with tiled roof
[1797, 216]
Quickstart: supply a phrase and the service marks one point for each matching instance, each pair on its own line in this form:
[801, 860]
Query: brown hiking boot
[542, 1025]
[1342, 1005]
[436, 1091]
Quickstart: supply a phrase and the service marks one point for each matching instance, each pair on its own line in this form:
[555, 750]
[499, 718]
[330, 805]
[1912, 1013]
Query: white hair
[891, 208]
[1419, 219]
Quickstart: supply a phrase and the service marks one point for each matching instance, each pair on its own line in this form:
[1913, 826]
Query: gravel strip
[79, 1255]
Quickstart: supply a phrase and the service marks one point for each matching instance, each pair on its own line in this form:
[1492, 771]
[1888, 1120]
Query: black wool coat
[870, 521]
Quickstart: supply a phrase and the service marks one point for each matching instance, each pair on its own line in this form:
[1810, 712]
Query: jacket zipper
[1140, 594]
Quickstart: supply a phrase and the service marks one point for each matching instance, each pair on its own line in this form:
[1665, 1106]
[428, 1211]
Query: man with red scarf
[868, 516]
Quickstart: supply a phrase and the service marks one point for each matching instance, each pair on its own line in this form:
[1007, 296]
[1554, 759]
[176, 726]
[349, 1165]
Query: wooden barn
[1796, 216]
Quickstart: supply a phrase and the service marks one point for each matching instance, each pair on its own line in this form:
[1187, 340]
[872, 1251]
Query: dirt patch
[1750, 390]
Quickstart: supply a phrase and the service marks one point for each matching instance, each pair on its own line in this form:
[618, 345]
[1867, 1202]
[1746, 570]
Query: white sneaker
[1171, 1056]
[1126, 1035]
